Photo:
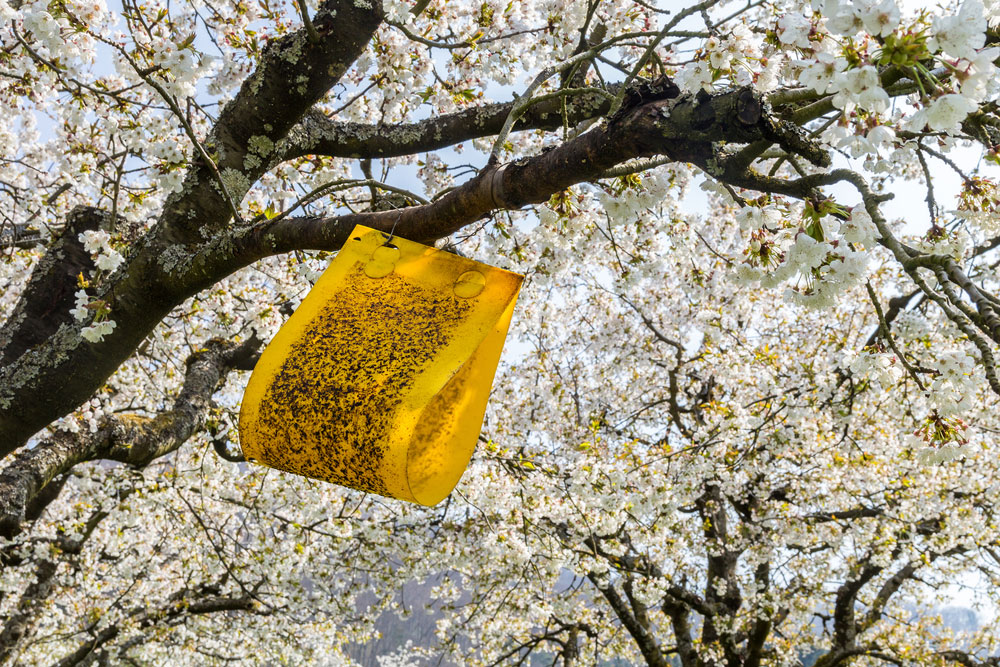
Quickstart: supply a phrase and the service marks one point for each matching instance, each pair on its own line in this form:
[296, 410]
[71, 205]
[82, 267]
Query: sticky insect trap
[380, 378]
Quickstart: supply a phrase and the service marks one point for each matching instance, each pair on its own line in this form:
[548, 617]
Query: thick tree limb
[845, 627]
[685, 128]
[129, 439]
[46, 382]
[49, 295]
[761, 628]
[680, 622]
[318, 135]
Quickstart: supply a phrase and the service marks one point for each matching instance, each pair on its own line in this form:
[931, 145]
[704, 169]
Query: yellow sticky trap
[379, 380]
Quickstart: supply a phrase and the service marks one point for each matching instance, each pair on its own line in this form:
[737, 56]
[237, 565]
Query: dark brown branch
[184, 603]
[221, 448]
[129, 439]
[761, 629]
[48, 383]
[645, 640]
[845, 628]
[49, 295]
[684, 128]
[888, 589]
[844, 656]
[681, 625]
[901, 576]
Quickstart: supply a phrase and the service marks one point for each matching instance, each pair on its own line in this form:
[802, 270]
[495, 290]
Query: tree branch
[184, 603]
[685, 128]
[45, 303]
[318, 135]
[45, 385]
[129, 439]
[643, 638]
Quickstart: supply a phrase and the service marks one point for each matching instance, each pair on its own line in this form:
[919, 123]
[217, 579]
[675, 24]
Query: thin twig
[664, 32]
[311, 32]
[884, 326]
[334, 186]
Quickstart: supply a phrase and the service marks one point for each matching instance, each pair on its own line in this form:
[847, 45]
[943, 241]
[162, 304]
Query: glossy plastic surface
[380, 378]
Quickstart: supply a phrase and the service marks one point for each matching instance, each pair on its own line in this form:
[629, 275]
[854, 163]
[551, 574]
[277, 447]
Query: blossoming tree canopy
[756, 431]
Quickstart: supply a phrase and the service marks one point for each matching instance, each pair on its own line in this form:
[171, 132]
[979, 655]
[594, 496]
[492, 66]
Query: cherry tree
[756, 433]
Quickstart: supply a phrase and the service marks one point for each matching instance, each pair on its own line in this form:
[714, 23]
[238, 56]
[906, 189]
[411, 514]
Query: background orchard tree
[739, 437]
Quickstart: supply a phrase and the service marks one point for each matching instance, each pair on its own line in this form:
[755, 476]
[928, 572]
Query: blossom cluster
[819, 262]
